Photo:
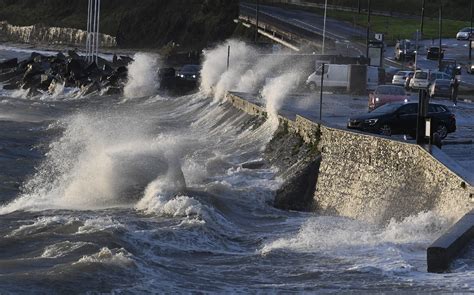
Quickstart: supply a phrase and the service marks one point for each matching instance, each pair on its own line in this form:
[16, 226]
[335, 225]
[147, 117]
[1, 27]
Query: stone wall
[374, 178]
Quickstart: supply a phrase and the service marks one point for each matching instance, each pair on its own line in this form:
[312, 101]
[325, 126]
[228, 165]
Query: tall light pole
[470, 36]
[440, 27]
[93, 25]
[256, 20]
[324, 25]
[368, 29]
[422, 16]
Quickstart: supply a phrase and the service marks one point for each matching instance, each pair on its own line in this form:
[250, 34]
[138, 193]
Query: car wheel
[442, 131]
[386, 130]
[312, 86]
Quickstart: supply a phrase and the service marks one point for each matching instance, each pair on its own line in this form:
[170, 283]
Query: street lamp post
[256, 20]
[324, 25]
[422, 16]
[470, 35]
[440, 32]
[368, 29]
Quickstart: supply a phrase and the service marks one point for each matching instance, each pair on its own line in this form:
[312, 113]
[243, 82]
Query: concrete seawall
[374, 178]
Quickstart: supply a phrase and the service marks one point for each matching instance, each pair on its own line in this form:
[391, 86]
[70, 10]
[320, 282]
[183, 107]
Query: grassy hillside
[135, 23]
[453, 9]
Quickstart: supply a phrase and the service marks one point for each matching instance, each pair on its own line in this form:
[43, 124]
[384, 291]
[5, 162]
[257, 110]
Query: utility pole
[422, 16]
[416, 50]
[256, 20]
[470, 36]
[440, 32]
[88, 38]
[228, 57]
[368, 29]
[358, 6]
[324, 25]
[93, 24]
[321, 93]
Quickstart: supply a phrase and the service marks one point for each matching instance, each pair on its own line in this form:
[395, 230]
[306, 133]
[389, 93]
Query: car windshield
[421, 75]
[190, 68]
[434, 49]
[466, 30]
[401, 74]
[391, 90]
[386, 108]
[443, 82]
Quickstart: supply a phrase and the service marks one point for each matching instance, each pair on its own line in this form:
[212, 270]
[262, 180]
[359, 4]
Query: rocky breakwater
[40, 34]
[40, 73]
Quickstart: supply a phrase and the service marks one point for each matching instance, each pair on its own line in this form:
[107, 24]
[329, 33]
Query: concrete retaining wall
[374, 178]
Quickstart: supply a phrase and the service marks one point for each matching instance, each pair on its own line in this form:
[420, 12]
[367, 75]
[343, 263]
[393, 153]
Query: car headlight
[194, 76]
[182, 76]
[377, 99]
[405, 100]
[371, 121]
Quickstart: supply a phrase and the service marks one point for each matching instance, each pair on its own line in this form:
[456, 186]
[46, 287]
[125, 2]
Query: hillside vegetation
[136, 23]
[452, 9]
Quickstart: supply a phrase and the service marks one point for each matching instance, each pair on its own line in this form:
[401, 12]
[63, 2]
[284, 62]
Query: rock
[253, 165]
[297, 193]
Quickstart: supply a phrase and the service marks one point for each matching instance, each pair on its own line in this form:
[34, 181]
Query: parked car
[434, 53]
[404, 50]
[386, 93]
[470, 68]
[439, 75]
[440, 88]
[464, 34]
[390, 72]
[421, 80]
[400, 77]
[401, 118]
[189, 72]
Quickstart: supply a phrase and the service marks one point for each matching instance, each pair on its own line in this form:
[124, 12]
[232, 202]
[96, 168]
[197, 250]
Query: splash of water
[275, 92]
[216, 79]
[142, 76]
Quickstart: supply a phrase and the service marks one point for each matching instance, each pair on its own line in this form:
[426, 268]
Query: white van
[338, 76]
[334, 76]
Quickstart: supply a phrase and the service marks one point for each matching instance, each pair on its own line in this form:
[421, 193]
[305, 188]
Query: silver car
[400, 77]
[440, 88]
[421, 80]
[464, 34]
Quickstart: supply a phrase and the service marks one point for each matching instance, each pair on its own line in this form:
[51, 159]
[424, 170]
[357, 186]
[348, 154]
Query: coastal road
[342, 33]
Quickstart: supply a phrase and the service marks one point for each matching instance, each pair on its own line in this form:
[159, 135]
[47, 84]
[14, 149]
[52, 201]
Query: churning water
[148, 195]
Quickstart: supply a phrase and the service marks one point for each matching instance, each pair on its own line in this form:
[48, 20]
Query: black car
[189, 72]
[400, 118]
[434, 52]
[404, 50]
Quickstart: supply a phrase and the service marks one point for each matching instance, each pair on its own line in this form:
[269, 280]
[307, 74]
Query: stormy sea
[149, 193]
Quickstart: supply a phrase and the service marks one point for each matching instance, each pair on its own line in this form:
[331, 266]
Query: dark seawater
[148, 195]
